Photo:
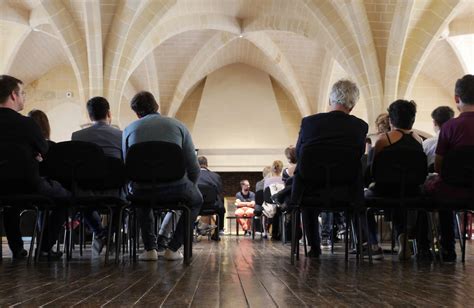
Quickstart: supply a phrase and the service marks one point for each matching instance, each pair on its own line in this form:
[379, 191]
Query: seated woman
[400, 138]
[270, 209]
[245, 203]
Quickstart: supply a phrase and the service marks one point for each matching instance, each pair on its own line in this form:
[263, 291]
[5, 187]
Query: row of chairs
[331, 180]
[82, 166]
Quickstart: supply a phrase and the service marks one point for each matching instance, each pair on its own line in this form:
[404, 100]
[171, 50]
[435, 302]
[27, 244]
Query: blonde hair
[266, 171]
[277, 167]
[382, 123]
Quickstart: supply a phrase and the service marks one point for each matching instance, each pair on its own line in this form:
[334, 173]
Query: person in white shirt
[440, 116]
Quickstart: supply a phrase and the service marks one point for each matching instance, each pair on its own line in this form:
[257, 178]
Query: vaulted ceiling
[170, 46]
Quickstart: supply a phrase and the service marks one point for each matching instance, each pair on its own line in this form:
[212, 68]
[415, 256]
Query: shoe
[171, 255]
[160, 251]
[377, 252]
[20, 255]
[97, 246]
[314, 253]
[148, 255]
[204, 229]
[449, 256]
[326, 244]
[51, 255]
[424, 255]
[404, 252]
[221, 232]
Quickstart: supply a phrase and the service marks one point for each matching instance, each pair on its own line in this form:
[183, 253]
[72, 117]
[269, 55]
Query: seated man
[454, 133]
[440, 116]
[152, 126]
[207, 177]
[18, 129]
[245, 203]
[110, 140]
[334, 128]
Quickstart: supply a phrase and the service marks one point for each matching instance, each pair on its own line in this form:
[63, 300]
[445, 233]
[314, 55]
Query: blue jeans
[146, 218]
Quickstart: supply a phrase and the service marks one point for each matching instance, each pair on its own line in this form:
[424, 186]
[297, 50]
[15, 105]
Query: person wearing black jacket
[18, 129]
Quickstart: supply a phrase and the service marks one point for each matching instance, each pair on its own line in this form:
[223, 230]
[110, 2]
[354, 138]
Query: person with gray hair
[334, 128]
[344, 92]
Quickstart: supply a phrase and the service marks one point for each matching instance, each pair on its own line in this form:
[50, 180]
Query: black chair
[19, 177]
[209, 196]
[458, 171]
[258, 213]
[398, 176]
[82, 166]
[149, 165]
[328, 179]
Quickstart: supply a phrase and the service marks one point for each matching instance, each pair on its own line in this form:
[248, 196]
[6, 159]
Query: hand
[39, 158]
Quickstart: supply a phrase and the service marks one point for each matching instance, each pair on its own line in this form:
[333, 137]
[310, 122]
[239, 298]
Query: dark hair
[97, 107]
[42, 120]
[442, 114]
[402, 113]
[465, 89]
[144, 103]
[8, 84]
[202, 160]
[290, 153]
[243, 181]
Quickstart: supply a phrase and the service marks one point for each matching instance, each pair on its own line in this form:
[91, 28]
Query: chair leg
[188, 235]
[359, 238]
[135, 235]
[293, 236]
[464, 238]
[253, 228]
[458, 228]
[81, 232]
[366, 228]
[33, 237]
[332, 233]
[40, 241]
[305, 246]
[109, 234]
[346, 236]
[118, 235]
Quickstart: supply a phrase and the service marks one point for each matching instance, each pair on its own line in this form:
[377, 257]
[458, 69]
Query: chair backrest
[400, 168]
[155, 162]
[458, 167]
[209, 196]
[267, 195]
[76, 163]
[115, 177]
[329, 166]
[18, 169]
[259, 197]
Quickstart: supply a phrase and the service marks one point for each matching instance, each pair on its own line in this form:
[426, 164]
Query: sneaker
[204, 229]
[221, 232]
[449, 256]
[51, 255]
[314, 253]
[20, 255]
[377, 252]
[160, 251]
[424, 255]
[148, 255]
[97, 246]
[326, 244]
[171, 255]
[404, 252]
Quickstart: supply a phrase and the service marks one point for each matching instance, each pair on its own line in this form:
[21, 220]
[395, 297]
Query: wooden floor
[238, 272]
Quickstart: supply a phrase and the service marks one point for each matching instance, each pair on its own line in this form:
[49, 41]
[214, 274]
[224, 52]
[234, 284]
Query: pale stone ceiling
[169, 46]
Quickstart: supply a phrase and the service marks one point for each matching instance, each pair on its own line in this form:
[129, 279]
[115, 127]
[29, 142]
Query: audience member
[440, 116]
[382, 123]
[290, 154]
[110, 140]
[321, 129]
[207, 177]
[42, 120]
[270, 209]
[152, 126]
[18, 129]
[455, 133]
[402, 115]
[245, 203]
[258, 210]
